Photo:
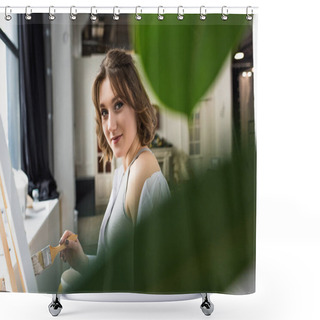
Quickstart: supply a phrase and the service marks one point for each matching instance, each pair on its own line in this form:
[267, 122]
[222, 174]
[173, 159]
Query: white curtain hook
[28, 13]
[8, 10]
[73, 13]
[249, 16]
[180, 13]
[203, 13]
[116, 15]
[93, 16]
[224, 13]
[51, 13]
[138, 17]
[160, 15]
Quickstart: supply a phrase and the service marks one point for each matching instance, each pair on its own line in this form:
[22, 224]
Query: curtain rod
[224, 10]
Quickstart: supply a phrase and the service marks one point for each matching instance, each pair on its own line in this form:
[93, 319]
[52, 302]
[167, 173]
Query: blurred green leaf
[201, 240]
[182, 59]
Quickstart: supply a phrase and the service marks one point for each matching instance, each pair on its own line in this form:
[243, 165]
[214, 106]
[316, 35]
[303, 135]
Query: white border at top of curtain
[130, 10]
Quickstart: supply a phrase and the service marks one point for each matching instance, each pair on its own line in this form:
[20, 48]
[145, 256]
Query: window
[194, 134]
[9, 90]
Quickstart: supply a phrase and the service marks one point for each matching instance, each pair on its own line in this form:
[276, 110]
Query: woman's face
[118, 121]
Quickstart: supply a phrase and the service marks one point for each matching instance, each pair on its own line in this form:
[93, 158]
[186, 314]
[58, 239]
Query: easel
[12, 211]
[6, 246]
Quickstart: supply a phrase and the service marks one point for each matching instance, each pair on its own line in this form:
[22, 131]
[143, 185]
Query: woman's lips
[116, 139]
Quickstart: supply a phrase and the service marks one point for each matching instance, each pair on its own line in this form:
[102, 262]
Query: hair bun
[118, 58]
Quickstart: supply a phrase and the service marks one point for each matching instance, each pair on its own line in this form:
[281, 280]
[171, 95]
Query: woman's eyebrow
[113, 100]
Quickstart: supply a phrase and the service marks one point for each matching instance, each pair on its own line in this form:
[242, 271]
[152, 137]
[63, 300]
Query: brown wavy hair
[125, 81]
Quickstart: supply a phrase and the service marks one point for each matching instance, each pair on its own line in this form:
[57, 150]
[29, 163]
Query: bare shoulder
[145, 165]
[143, 168]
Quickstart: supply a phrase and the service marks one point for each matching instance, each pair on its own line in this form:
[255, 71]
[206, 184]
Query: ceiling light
[239, 55]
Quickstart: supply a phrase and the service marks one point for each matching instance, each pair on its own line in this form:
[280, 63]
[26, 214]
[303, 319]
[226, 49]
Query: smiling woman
[119, 71]
[118, 122]
[126, 124]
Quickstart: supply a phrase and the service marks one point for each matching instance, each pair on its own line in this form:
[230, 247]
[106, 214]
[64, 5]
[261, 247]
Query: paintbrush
[45, 257]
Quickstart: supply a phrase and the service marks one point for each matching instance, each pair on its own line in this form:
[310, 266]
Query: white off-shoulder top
[116, 221]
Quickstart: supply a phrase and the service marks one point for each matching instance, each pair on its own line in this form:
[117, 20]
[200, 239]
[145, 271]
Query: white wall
[85, 70]
[3, 89]
[11, 31]
[63, 118]
[221, 106]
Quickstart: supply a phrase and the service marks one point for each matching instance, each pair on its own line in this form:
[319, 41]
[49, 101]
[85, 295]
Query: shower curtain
[198, 75]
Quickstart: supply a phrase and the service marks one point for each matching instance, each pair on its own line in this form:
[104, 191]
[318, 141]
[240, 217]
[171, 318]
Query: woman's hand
[73, 254]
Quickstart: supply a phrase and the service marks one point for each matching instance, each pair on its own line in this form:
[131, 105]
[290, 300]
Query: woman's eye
[104, 113]
[118, 105]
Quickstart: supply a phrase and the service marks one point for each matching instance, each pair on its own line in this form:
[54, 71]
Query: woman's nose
[112, 123]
